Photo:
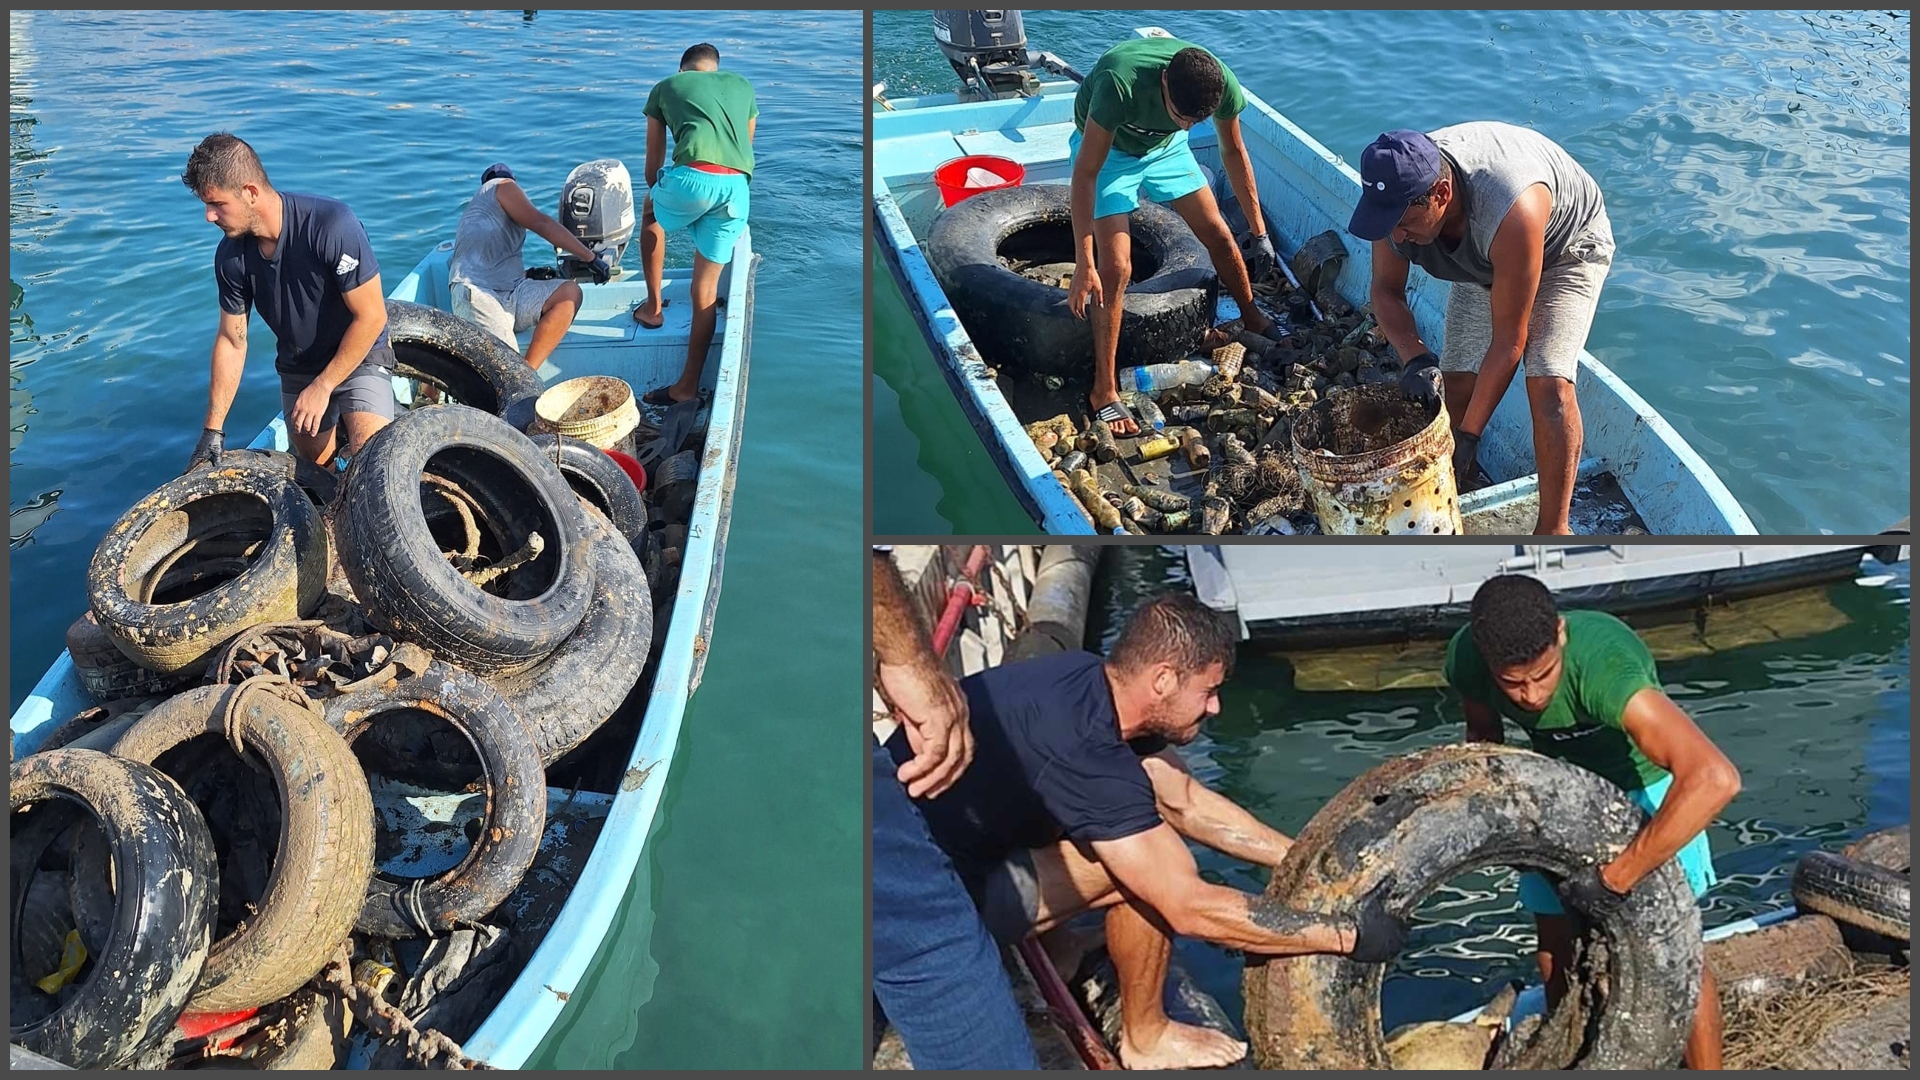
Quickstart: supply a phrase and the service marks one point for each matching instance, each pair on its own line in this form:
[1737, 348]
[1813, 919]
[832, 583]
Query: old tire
[162, 922]
[325, 851]
[1889, 848]
[320, 483]
[395, 564]
[107, 673]
[473, 367]
[1416, 822]
[573, 691]
[1856, 893]
[260, 539]
[1019, 322]
[1748, 967]
[1879, 1037]
[596, 478]
[516, 810]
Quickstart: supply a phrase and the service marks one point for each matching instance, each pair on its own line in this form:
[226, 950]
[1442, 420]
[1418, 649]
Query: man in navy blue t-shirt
[1075, 801]
[304, 263]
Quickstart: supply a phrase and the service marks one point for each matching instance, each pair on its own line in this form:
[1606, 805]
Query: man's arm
[369, 308]
[1704, 782]
[1095, 142]
[1483, 721]
[522, 212]
[925, 699]
[229, 360]
[1233, 155]
[1156, 867]
[1388, 292]
[1205, 816]
[753, 123]
[656, 148]
[1517, 253]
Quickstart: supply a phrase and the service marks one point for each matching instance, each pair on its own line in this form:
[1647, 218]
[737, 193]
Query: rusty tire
[1416, 822]
[325, 851]
[207, 517]
[574, 691]
[1856, 893]
[516, 809]
[396, 565]
[162, 922]
[454, 354]
[596, 478]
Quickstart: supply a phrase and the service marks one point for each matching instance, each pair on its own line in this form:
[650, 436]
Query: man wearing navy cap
[489, 283]
[1521, 230]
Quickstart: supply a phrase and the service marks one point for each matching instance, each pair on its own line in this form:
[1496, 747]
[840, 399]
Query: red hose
[959, 595]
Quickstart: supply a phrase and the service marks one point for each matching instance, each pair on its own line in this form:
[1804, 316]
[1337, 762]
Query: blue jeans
[936, 969]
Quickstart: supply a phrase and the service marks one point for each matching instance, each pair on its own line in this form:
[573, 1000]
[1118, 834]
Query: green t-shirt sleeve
[1464, 670]
[1618, 667]
[1233, 99]
[653, 108]
[1107, 106]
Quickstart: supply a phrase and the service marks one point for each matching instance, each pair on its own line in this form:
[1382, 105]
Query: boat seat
[1028, 146]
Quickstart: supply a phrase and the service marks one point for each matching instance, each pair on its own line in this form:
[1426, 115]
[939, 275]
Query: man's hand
[1258, 252]
[602, 273]
[933, 713]
[1421, 380]
[1086, 285]
[1588, 891]
[207, 451]
[1378, 934]
[1465, 446]
[310, 408]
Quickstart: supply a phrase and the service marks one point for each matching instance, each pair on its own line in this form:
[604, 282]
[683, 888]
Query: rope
[232, 717]
[387, 1021]
[416, 907]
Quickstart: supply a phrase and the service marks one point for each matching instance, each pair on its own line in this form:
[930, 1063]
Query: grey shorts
[369, 389]
[504, 313]
[1009, 898]
[1563, 308]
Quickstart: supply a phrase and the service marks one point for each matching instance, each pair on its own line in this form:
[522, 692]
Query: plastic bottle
[1145, 408]
[1157, 377]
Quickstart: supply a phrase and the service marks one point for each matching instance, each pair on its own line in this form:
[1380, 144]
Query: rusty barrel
[1405, 489]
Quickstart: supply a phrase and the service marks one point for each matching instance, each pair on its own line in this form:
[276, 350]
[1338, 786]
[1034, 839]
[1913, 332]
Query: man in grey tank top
[485, 276]
[1521, 230]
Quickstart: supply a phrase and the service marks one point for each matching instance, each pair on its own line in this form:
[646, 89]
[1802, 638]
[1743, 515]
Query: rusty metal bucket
[1406, 489]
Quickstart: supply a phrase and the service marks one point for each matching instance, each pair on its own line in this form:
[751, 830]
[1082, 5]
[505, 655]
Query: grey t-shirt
[323, 254]
[1493, 163]
[487, 243]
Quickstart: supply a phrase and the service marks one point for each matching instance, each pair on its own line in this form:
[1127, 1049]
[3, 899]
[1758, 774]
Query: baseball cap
[498, 168]
[1395, 169]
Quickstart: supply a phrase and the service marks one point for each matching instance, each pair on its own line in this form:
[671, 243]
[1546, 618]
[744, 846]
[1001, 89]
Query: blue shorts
[1537, 895]
[713, 206]
[1167, 173]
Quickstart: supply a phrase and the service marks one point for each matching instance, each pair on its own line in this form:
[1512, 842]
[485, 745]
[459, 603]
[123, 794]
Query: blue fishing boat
[604, 340]
[1635, 467]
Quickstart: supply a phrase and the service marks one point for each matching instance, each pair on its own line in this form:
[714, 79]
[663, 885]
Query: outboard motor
[596, 205]
[988, 50]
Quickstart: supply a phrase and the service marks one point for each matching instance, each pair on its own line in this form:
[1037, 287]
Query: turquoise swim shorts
[1167, 173]
[1537, 895]
[712, 206]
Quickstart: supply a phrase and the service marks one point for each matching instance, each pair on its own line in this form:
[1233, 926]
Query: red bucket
[951, 178]
[634, 470]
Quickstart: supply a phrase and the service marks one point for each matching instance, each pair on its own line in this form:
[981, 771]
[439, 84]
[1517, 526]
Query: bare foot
[1182, 1046]
[654, 318]
[1121, 428]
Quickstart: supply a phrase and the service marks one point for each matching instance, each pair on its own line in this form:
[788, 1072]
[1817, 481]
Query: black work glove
[1421, 380]
[1258, 252]
[1588, 892]
[207, 451]
[1378, 935]
[602, 273]
[1465, 446]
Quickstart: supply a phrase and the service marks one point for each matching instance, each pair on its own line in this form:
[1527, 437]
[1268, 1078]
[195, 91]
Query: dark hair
[697, 53]
[1446, 173]
[1178, 629]
[1513, 620]
[1195, 83]
[223, 161]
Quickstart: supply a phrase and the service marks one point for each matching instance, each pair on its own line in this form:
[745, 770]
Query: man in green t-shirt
[1584, 688]
[711, 114]
[1130, 123]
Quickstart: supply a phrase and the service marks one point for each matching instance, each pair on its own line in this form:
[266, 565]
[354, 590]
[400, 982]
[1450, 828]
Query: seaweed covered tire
[204, 557]
[1856, 893]
[516, 800]
[451, 460]
[325, 851]
[1019, 322]
[1416, 822]
[454, 354]
[575, 690]
[599, 480]
[163, 919]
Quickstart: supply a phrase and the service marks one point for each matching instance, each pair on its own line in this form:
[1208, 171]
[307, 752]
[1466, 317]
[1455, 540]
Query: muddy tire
[573, 691]
[1879, 1038]
[472, 366]
[325, 851]
[320, 483]
[1416, 822]
[162, 924]
[1748, 967]
[1019, 322]
[1889, 848]
[252, 539]
[516, 808]
[107, 673]
[595, 477]
[395, 563]
[1856, 893]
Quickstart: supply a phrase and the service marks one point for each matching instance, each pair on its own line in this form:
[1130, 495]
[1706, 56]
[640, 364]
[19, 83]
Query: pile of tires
[155, 877]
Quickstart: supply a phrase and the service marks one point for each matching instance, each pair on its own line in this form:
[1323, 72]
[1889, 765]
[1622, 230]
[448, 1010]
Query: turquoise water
[1756, 166]
[739, 945]
[1818, 726]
